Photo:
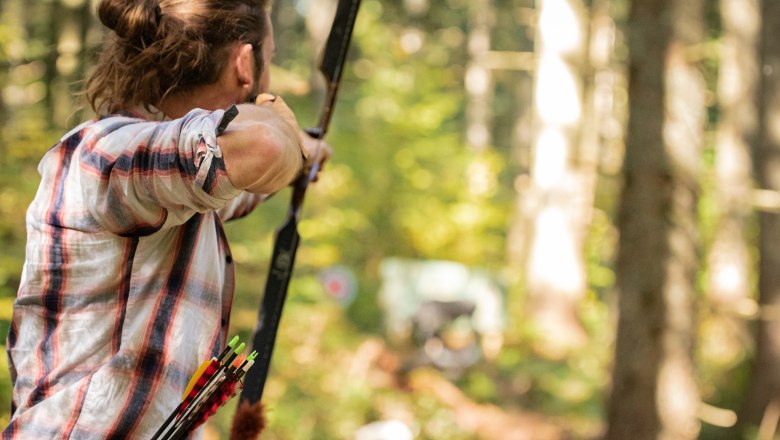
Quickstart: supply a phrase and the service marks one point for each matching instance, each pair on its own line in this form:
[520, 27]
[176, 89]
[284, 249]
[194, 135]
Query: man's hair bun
[133, 20]
[162, 47]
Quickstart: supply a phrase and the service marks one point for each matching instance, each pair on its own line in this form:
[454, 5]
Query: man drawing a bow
[128, 279]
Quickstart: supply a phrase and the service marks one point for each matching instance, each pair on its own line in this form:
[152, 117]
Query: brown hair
[160, 47]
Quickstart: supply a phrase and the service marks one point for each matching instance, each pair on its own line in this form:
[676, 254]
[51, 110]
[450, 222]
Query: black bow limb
[249, 421]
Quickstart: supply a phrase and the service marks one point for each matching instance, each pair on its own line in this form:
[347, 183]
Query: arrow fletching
[212, 385]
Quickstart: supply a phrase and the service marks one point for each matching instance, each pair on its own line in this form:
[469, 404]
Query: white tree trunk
[479, 81]
[557, 202]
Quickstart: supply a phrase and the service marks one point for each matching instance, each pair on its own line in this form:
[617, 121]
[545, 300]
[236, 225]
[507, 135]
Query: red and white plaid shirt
[128, 280]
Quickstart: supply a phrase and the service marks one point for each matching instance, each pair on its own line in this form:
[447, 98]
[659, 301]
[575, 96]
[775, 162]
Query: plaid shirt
[128, 279]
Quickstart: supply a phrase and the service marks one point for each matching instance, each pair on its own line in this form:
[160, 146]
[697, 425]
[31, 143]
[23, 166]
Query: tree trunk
[729, 259]
[555, 268]
[4, 65]
[763, 395]
[725, 336]
[654, 395]
[479, 82]
[69, 26]
[52, 79]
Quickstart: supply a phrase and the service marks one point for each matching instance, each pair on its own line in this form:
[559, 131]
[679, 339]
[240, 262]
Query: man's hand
[277, 104]
[313, 150]
[318, 152]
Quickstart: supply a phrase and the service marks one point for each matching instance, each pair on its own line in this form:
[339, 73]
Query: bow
[248, 421]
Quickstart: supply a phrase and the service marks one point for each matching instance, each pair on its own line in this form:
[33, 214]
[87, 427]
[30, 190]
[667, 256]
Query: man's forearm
[262, 152]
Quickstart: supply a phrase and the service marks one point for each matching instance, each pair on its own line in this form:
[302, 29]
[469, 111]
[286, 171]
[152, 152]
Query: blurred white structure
[384, 430]
[449, 308]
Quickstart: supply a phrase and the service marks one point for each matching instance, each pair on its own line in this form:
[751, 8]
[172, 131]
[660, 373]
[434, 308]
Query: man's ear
[245, 65]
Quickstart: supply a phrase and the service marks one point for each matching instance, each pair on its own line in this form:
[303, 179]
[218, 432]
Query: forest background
[607, 166]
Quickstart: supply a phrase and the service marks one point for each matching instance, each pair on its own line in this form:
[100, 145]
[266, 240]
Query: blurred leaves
[402, 183]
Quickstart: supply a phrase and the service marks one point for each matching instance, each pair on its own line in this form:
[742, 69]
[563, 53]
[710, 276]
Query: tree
[479, 84]
[725, 338]
[729, 259]
[654, 394]
[555, 210]
[762, 401]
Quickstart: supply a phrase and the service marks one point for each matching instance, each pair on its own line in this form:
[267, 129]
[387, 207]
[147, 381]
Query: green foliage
[402, 183]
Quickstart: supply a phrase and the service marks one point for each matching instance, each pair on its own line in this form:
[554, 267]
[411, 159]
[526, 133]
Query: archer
[128, 279]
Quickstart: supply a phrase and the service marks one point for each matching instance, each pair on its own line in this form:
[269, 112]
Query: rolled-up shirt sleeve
[241, 206]
[137, 176]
